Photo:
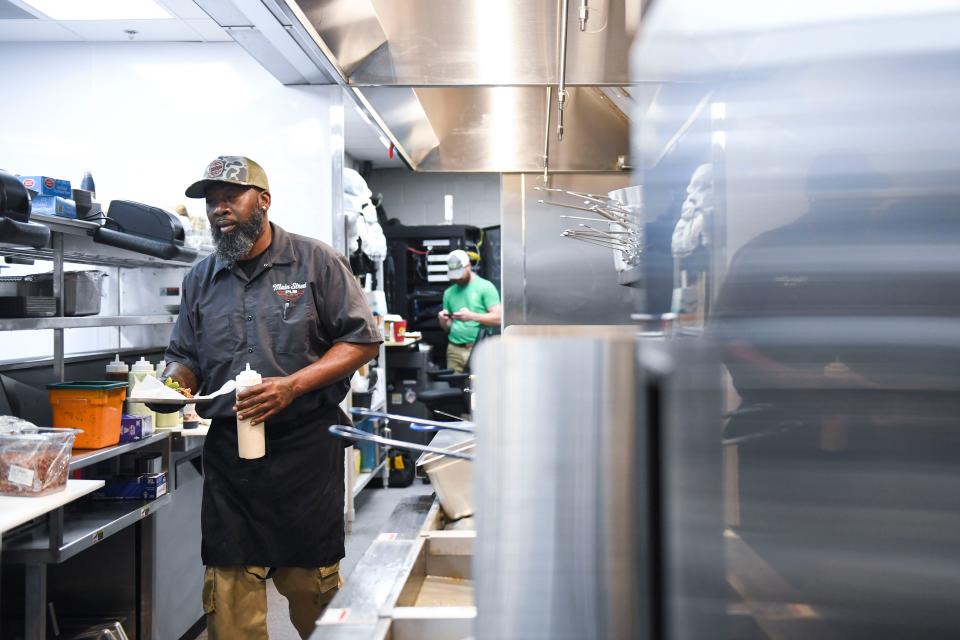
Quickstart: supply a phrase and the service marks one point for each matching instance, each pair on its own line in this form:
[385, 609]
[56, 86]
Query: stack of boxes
[53, 196]
[139, 477]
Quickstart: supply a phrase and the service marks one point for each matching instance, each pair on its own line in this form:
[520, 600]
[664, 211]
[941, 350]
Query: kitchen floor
[373, 508]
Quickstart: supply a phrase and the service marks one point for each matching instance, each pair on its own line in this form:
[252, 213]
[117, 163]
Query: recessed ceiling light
[100, 9]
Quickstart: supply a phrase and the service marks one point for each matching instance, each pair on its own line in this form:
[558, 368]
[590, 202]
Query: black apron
[282, 510]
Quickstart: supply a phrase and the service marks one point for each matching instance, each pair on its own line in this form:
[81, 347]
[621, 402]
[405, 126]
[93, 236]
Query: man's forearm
[341, 361]
[489, 319]
[182, 374]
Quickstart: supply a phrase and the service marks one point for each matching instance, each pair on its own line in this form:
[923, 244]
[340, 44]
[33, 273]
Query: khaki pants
[457, 356]
[235, 598]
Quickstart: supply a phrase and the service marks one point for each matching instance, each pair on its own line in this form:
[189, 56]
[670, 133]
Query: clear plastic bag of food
[33, 460]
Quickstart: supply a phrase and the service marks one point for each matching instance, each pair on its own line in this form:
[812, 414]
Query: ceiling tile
[34, 31]
[10, 11]
[147, 30]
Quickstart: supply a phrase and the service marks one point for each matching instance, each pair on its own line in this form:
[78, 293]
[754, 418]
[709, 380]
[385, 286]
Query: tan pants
[457, 356]
[235, 598]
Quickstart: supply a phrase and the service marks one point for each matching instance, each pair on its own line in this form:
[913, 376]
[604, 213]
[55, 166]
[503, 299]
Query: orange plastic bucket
[95, 407]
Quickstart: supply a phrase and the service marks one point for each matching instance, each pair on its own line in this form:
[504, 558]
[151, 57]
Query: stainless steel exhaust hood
[462, 85]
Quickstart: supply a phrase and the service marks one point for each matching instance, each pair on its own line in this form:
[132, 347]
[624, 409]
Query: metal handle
[464, 426]
[431, 427]
[356, 434]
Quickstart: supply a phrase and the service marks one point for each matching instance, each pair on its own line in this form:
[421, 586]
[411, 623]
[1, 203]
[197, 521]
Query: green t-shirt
[478, 296]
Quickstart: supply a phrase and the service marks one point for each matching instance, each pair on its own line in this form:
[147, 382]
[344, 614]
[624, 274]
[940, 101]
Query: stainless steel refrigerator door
[598, 487]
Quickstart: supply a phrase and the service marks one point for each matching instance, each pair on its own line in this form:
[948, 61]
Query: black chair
[449, 393]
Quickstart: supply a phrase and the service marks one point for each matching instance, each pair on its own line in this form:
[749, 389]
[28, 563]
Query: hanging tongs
[596, 198]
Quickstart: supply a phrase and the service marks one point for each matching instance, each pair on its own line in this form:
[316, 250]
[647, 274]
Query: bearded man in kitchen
[290, 307]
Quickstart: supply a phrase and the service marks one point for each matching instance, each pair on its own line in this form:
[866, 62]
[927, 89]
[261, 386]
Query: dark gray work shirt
[301, 300]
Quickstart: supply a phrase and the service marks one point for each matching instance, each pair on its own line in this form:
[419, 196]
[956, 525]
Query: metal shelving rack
[72, 241]
[79, 322]
[357, 482]
[71, 529]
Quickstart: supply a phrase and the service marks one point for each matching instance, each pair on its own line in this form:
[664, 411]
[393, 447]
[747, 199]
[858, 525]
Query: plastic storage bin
[34, 460]
[95, 407]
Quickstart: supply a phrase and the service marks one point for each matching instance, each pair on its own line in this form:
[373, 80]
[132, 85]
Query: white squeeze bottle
[251, 442]
[140, 370]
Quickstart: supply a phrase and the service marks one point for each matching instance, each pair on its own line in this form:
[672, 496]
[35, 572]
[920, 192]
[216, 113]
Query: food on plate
[173, 384]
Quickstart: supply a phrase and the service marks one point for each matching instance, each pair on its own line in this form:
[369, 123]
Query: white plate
[171, 402]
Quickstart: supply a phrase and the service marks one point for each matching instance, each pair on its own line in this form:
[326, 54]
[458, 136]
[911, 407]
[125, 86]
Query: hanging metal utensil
[546, 139]
[566, 217]
[625, 233]
[562, 73]
[609, 216]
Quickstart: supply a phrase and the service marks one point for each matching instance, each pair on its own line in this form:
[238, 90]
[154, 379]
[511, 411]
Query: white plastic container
[251, 441]
[167, 420]
[452, 479]
[140, 370]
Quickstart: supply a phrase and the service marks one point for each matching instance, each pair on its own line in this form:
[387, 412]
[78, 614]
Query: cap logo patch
[215, 170]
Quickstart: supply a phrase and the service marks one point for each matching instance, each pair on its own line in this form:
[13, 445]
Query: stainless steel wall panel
[598, 487]
[555, 555]
[548, 279]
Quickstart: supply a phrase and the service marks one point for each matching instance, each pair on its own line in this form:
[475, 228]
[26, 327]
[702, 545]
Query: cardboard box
[45, 186]
[55, 206]
[154, 485]
[133, 428]
[144, 487]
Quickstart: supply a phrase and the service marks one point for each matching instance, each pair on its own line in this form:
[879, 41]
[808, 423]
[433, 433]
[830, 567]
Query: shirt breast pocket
[217, 338]
[294, 326]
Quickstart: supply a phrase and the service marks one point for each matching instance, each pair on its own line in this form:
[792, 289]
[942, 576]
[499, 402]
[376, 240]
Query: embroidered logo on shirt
[290, 292]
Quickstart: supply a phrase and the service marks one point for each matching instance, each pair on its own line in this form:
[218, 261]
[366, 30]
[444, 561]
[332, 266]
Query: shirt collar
[280, 251]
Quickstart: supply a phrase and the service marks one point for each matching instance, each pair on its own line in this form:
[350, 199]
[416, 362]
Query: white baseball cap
[457, 261]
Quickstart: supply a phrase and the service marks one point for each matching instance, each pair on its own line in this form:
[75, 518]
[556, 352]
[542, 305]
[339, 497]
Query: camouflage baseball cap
[230, 169]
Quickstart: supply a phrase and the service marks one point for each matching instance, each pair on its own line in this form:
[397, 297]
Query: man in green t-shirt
[470, 302]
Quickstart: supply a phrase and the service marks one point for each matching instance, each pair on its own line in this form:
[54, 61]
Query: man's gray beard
[233, 247]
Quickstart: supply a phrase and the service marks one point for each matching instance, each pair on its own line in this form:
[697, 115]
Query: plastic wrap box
[148, 486]
[45, 186]
[55, 206]
[133, 428]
